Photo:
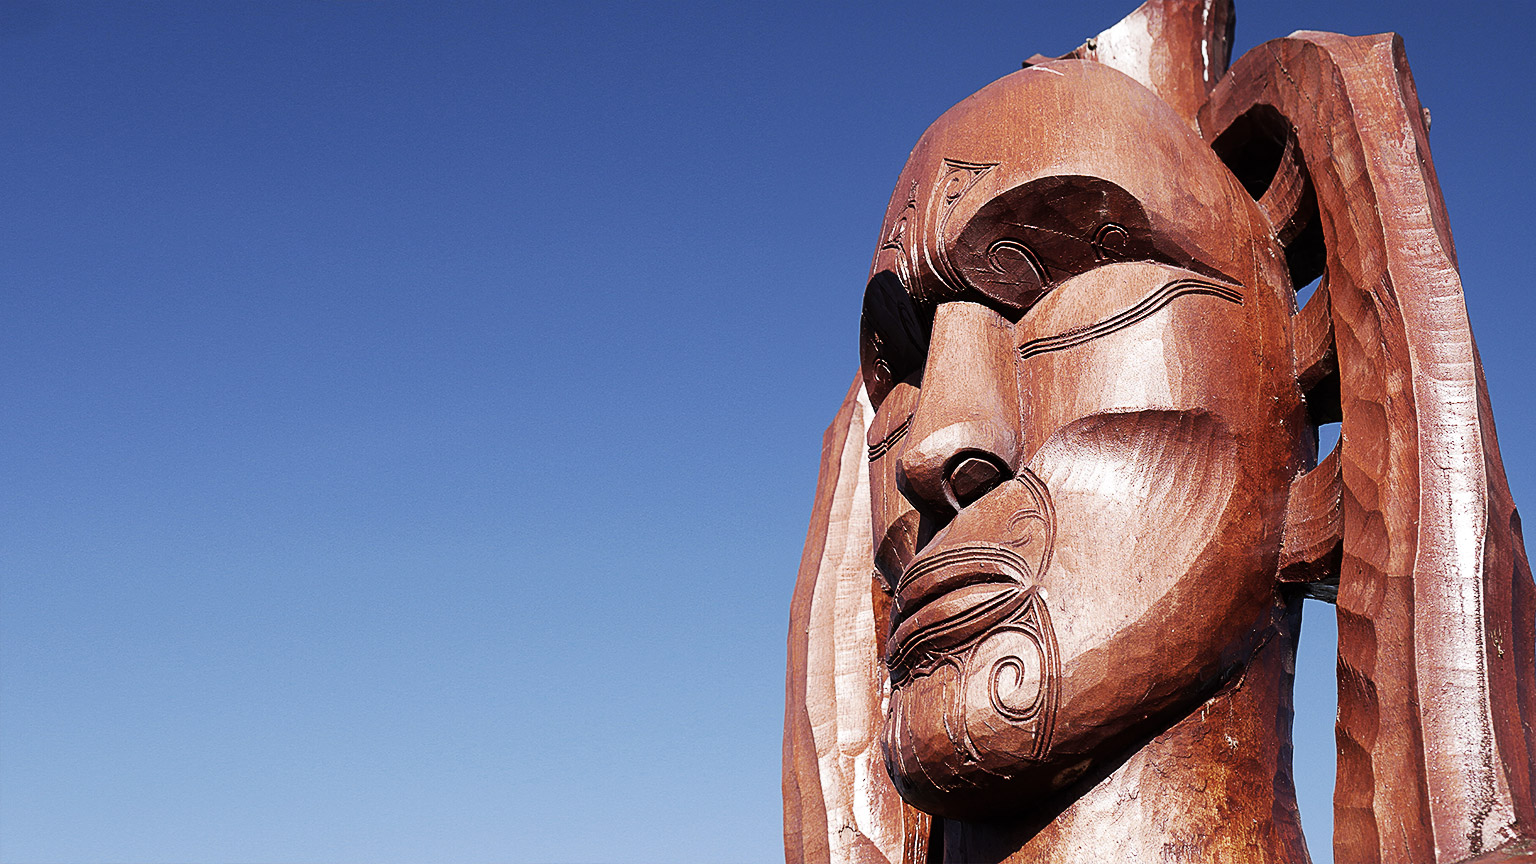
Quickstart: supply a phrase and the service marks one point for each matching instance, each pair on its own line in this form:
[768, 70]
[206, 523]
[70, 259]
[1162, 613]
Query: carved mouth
[949, 598]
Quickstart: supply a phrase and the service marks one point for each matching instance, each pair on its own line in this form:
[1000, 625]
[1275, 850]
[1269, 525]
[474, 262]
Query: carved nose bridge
[964, 438]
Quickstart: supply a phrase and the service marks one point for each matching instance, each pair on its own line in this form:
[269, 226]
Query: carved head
[1076, 335]
[1093, 489]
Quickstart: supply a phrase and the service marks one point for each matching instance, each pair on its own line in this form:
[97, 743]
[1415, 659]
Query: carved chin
[971, 728]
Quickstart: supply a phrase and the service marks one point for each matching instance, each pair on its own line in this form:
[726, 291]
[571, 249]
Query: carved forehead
[1068, 117]
[1072, 117]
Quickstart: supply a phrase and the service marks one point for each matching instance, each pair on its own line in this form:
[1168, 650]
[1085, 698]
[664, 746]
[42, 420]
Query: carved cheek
[1141, 500]
[1158, 445]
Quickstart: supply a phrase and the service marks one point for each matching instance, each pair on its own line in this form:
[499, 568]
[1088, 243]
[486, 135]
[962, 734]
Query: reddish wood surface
[1434, 593]
[1052, 587]
[839, 805]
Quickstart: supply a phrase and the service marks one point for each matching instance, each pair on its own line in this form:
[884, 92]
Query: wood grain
[1434, 752]
[1049, 601]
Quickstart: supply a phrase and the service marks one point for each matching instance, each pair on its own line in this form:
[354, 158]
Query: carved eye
[894, 340]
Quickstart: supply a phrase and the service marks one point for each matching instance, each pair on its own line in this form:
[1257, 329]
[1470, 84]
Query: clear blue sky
[413, 410]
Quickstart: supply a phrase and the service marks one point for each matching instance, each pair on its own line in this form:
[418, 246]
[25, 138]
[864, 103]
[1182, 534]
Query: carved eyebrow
[1143, 309]
[884, 445]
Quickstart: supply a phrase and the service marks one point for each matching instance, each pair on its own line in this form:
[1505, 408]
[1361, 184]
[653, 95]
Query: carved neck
[1217, 786]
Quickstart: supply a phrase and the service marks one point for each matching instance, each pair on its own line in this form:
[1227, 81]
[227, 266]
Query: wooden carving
[1049, 601]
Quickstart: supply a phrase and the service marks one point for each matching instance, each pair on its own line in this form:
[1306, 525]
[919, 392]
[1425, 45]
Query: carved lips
[975, 669]
[949, 599]
[962, 586]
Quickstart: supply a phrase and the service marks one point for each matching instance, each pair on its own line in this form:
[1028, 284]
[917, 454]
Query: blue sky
[414, 409]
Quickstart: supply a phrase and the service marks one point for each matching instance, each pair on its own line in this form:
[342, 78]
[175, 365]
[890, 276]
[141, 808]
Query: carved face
[1075, 334]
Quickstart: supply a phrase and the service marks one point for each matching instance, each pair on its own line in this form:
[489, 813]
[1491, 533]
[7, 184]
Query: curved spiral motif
[1016, 684]
[1014, 261]
[1110, 241]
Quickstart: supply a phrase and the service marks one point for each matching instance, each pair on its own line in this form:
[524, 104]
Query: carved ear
[1435, 595]
[839, 804]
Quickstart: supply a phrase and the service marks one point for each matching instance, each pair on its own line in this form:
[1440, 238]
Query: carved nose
[964, 438]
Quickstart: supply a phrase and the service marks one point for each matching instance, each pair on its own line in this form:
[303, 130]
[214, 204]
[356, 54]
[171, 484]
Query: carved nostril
[974, 475]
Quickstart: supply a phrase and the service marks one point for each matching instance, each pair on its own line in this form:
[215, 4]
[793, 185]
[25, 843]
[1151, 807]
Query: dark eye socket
[1039, 234]
[894, 332]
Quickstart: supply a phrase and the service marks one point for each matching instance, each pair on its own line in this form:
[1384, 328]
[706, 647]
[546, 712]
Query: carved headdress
[1408, 525]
